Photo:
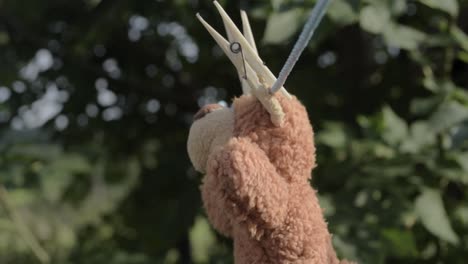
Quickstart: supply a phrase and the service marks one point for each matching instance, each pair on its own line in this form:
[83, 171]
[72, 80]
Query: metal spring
[236, 48]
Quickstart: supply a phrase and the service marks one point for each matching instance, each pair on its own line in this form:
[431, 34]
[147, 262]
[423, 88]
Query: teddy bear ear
[206, 110]
[255, 76]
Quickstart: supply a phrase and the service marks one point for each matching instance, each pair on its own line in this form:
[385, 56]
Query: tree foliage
[96, 98]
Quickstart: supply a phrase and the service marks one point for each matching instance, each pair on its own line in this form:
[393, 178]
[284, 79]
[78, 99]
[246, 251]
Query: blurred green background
[97, 96]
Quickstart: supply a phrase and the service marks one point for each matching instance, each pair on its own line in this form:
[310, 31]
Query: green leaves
[335, 135]
[448, 6]
[48, 206]
[4, 38]
[403, 36]
[377, 18]
[460, 37]
[430, 209]
[203, 240]
[401, 242]
[56, 176]
[399, 158]
[342, 13]
[447, 115]
[420, 136]
[387, 125]
[374, 18]
[395, 130]
[282, 25]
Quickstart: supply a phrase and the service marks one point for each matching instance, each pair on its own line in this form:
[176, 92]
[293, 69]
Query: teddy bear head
[290, 147]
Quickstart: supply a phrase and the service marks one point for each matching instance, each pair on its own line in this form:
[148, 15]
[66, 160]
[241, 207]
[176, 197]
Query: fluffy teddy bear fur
[257, 191]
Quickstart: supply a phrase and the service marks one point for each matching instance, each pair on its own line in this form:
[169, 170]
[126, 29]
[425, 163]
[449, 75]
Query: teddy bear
[257, 158]
[256, 186]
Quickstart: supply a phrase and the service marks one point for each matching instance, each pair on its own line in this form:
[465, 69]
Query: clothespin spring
[236, 48]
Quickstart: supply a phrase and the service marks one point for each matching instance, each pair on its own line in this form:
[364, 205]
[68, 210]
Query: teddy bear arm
[215, 203]
[259, 194]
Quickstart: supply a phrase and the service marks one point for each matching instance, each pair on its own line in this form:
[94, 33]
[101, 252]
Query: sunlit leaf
[57, 175]
[423, 106]
[334, 135]
[403, 36]
[281, 26]
[449, 6]
[66, 236]
[342, 12]
[202, 240]
[22, 197]
[401, 242]
[462, 159]
[460, 136]
[399, 6]
[374, 18]
[277, 4]
[448, 115]
[430, 209]
[420, 136]
[460, 37]
[462, 55]
[396, 129]
[462, 214]
[345, 248]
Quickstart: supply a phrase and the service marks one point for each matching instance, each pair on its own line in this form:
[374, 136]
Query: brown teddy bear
[257, 157]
